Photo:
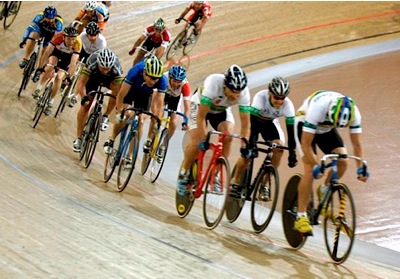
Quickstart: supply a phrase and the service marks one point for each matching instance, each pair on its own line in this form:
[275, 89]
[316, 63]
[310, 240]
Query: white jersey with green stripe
[262, 108]
[212, 95]
[314, 113]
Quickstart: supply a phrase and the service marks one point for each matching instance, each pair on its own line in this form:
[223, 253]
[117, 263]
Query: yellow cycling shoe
[302, 224]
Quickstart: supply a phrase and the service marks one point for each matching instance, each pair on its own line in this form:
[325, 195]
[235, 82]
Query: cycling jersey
[43, 28]
[58, 42]
[100, 16]
[314, 113]
[157, 40]
[183, 89]
[88, 47]
[204, 11]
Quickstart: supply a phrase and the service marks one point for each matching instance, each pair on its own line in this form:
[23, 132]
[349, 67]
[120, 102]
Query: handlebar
[75, 23]
[224, 135]
[141, 111]
[185, 118]
[335, 157]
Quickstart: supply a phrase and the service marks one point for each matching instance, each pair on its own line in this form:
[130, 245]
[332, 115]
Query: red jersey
[204, 11]
[163, 39]
[58, 42]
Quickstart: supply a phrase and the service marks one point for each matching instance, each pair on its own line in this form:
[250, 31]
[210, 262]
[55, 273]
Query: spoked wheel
[185, 203]
[216, 193]
[65, 93]
[289, 213]
[92, 141]
[191, 42]
[27, 73]
[235, 203]
[340, 223]
[127, 162]
[175, 48]
[41, 104]
[112, 160]
[13, 9]
[161, 153]
[184, 61]
[85, 136]
[265, 196]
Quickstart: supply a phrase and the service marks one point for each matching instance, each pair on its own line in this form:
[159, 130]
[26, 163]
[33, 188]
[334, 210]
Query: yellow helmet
[154, 67]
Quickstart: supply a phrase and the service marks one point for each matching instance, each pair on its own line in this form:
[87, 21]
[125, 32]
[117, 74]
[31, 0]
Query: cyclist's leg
[224, 121]
[30, 42]
[273, 131]
[173, 104]
[157, 107]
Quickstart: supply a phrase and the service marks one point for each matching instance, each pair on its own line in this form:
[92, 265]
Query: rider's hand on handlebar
[132, 51]
[246, 152]
[178, 20]
[292, 159]
[185, 127]
[204, 145]
[317, 172]
[84, 100]
[119, 118]
[361, 175]
[22, 44]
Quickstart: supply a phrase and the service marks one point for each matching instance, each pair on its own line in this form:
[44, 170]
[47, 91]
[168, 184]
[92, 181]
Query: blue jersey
[135, 78]
[44, 29]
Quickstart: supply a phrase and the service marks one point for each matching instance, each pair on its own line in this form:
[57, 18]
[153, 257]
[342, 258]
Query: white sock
[301, 214]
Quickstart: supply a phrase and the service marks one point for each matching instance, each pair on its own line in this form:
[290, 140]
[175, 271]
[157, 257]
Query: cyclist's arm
[245, 124]
[290, 132]
[139, 41]
[357, 146]
[306, 145]
[157, 104]
[184, 12]
[201, 121]
[34, 26]
[45, 57]
[72, 63]
[81, 83]
[80, 15]
[123, 91]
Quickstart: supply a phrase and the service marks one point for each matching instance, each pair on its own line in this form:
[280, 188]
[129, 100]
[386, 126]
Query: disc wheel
[185, 203]
[265, 197]
[216, 196]
[236, 203]
[340, 223]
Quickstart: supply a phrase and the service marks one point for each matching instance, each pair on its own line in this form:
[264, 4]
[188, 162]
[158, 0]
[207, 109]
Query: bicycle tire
[289, 212]
[185, 203]
[189, 47]
[85, 136]
[27, 73]
[63, 100]
[214, 201]
[340, 223]
[93, 139]
[7, 23]
[113, 159]
[158, 162]
[235, 205]
[176, 45]
[146, 160]
[122, 182]
[41, 104]
[261, 211]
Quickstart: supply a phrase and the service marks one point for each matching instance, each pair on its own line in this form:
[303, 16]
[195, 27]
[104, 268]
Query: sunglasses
[153, 78]
[278, 98]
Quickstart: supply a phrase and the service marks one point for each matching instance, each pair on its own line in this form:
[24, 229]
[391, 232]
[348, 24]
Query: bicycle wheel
[289, 213]
[127, 163]
[112, 160]
[161, 153]
[190, 43]
[184, 61]
[92, 140]
[265, 197]
[216, 198]
[86, 135]
[27, 73]
[65, 93]
[235, 204]
[13, 9]
[147, 158]
[340, 223]
[185, 203]
[176, 46]
[41, 104]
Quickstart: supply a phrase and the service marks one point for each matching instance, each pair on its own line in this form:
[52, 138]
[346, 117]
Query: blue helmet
[177, 72]
[50, 12]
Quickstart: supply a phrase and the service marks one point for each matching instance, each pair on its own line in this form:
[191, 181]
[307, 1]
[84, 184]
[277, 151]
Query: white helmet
[106, 58]
[90, 5]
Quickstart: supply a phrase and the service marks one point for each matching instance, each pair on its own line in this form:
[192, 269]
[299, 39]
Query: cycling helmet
[341, 112]
[106, 58]
[279, 87]
[177, 72]
[70, 32]
[50, 12]
[92, 28]
[198, 2]
[90, 5]
[154, 67]
[235, 78]
[159, 24]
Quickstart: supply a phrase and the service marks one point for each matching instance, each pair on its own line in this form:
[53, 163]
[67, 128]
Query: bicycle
[337, 207]
[262, 207]
[185, 40]
[9, 12]
[91, 131]
[124, 156]
[200, 181]
[31, 65]
[45, 96]
[68, 92]
[159, 147]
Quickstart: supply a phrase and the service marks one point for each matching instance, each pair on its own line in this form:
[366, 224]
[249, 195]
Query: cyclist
[317, 122]
[178, 89]
[144, 85]
[45, 24]
[63, 52]
[93, 11]
[157, 36]
[266, 108]
[201, 13]
[214, 99]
